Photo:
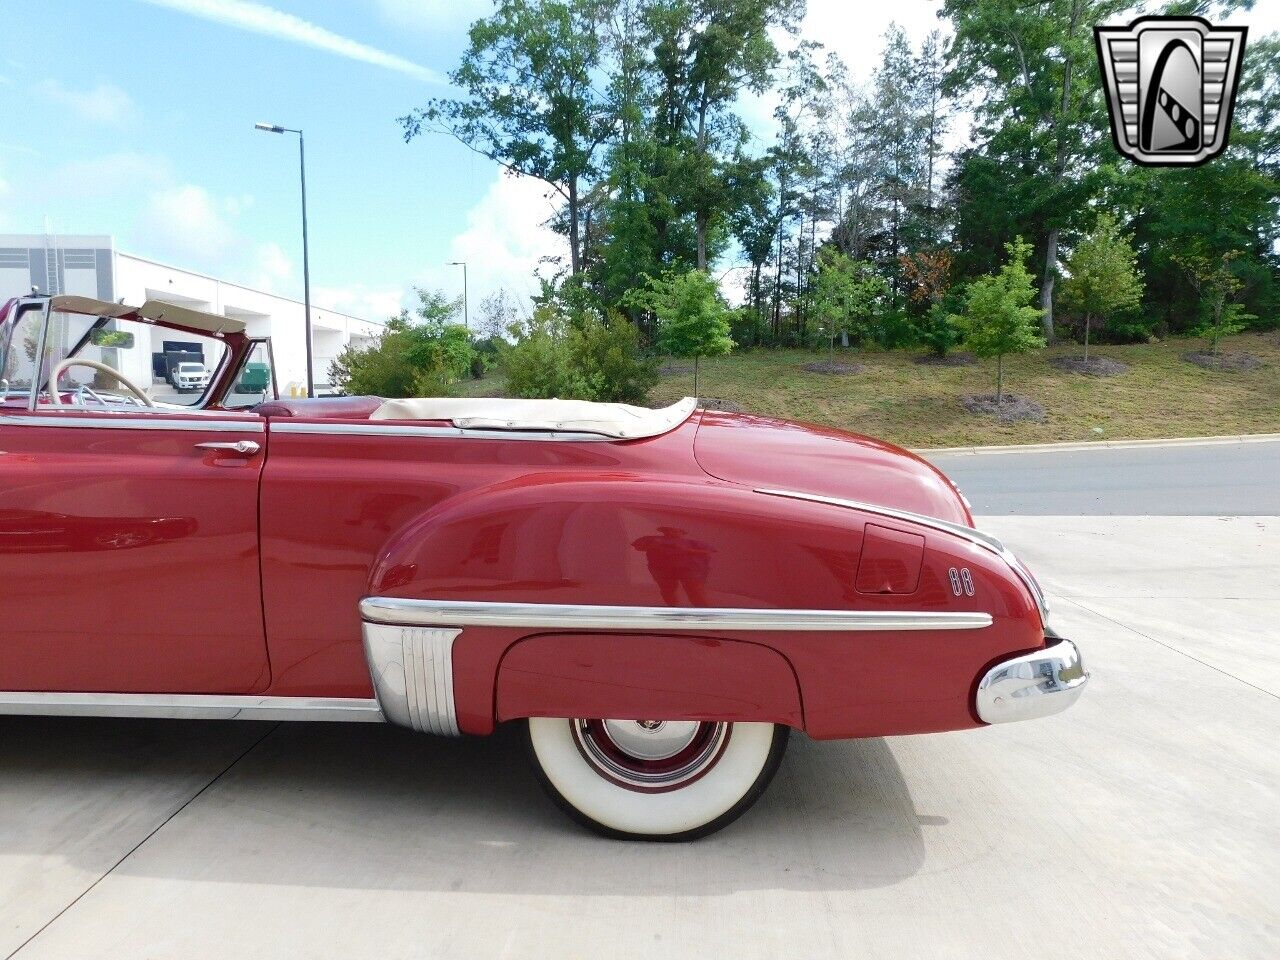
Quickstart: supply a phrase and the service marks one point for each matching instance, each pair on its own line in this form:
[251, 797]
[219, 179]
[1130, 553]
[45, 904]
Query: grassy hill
[893, 397]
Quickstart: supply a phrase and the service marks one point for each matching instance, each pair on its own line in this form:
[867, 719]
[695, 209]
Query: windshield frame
[237, 348]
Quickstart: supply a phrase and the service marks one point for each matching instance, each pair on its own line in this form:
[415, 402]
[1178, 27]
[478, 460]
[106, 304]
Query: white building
[91, 266]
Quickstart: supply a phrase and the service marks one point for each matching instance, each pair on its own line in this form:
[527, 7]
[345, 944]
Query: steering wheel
[55, 397]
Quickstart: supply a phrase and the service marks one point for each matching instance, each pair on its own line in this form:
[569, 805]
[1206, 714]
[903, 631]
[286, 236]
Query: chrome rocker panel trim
[971, 534]
[189, 706]
[467, 613]
[1033, 685]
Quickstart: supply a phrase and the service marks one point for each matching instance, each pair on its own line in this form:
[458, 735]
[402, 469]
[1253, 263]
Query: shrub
[938, 330]
[582, 357]
[1218, 286]
[416, 355]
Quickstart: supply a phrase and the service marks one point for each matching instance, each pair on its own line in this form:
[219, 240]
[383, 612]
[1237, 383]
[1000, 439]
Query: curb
[1103, 444]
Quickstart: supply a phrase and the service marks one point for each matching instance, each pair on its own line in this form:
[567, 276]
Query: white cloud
[503, 243]
[187, 223]
[272, 267]
[259, 18]
[360, 301]
[105, 103]
[112, 174]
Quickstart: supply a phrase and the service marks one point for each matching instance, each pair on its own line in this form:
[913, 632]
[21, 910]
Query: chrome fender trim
[468, 613]
[412, 671]
[194, 706]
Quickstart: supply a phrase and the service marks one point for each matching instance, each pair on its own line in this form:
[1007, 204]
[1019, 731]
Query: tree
[927, 274]
[1040, 116]
[705, 54]
[578, 355]
[422, 354]
[1218, 287]
[532, 105]
[998, 317]
[692, 320]
[1103, 277]
[496, 313]
[898, 127]
[848, 295]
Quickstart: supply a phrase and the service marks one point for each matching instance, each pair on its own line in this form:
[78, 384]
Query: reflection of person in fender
[676, 560]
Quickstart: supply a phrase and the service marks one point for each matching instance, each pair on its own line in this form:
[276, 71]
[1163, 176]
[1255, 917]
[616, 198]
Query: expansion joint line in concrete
[134, 849]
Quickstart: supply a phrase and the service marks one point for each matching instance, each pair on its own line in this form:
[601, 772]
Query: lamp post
[466, 316]
[306, 267]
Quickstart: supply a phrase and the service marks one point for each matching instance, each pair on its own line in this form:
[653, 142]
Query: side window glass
[20, 357]
[255, 383]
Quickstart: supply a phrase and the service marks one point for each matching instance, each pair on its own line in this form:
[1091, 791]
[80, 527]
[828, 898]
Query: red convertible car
[659, 596]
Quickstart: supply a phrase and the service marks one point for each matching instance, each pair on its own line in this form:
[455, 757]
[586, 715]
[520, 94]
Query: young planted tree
[848, 295]
[1218, 287]
[1103, 275]
[692, 320]
[998, 317]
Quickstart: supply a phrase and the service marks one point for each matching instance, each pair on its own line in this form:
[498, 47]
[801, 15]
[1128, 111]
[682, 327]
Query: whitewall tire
[655, 780]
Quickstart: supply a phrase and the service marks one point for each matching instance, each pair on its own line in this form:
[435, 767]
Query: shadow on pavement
[376, 807]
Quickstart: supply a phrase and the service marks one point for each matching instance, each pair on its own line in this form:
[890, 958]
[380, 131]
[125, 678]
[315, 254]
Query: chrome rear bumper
[1033, 685]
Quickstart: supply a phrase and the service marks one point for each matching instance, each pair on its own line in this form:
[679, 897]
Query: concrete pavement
[1182, 479]
[1141, 823]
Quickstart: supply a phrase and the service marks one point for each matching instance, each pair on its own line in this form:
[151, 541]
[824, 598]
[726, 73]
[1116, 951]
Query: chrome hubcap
[652, 739]
[651, 755]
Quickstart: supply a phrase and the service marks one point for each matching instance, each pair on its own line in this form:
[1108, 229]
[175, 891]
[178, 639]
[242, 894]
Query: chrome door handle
[246, 448]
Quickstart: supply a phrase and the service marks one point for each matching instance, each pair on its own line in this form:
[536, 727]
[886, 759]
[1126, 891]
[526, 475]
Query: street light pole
[306, 262]
[466, 315]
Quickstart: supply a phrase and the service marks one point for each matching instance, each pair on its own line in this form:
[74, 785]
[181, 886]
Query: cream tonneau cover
[620, 420]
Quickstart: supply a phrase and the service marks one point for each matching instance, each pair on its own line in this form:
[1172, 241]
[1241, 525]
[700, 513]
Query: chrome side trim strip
[959, 529]
[946, 526]
[466, 613]
[412, 670]
[400, 430]
[115, 422]
[189, 706]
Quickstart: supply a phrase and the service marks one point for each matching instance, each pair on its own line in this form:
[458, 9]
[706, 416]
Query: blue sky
[135, 118]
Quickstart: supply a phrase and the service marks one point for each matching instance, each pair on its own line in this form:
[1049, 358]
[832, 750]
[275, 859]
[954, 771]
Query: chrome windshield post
[42, 343]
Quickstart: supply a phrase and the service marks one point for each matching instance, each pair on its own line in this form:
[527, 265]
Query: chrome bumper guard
[1033, 685]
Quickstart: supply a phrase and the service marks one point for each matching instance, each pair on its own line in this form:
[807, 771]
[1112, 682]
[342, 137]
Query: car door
[129, 551]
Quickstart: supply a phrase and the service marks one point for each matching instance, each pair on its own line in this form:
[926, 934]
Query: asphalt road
[1203, 479]
[1139, 824]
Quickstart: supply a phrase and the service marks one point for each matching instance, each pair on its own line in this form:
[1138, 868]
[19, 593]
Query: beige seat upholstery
[619, 420]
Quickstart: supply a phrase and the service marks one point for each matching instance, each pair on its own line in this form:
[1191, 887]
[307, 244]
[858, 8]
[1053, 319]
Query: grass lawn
[1161, 395]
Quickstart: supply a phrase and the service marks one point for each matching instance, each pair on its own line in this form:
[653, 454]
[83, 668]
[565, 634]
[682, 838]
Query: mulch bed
[832, 367]
[1093, 367]
[675, 369]
[1224, 362]
[719, 403]
[950, 360]
[1012, 408]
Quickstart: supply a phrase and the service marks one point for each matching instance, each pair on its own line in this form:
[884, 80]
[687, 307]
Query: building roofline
[242, 286]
